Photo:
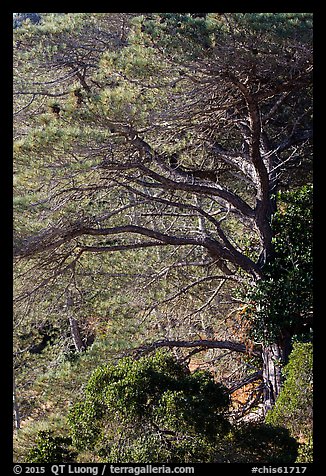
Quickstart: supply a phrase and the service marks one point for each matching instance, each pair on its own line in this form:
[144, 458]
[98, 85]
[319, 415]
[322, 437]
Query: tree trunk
[274, 356]
[16, 407]
[76, 335]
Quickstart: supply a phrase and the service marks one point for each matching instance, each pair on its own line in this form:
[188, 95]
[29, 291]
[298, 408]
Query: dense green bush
[150, 409]
[294, 406]
[49, 448]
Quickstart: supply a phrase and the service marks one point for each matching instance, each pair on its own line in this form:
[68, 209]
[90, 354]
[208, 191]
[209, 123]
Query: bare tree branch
[202, 344]
[249, 379]
[294, 139]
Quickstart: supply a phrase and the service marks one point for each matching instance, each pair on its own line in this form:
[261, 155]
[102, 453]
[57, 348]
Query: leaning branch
[247, 380]
[199, 344]
[53, 239]
[129, 246]
[40, 93]
[199, 188]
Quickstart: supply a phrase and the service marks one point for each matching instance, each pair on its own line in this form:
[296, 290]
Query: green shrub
[150, 409]
[294, 405]
[51, 449]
